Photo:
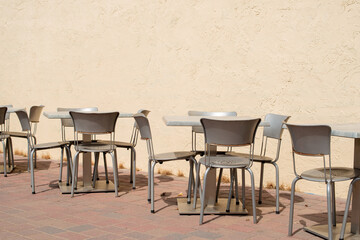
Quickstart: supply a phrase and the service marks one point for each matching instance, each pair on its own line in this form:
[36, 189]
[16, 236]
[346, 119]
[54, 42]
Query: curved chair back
[35, 113]
[94, 123]
[230, 133]
[24, 121]
[144, 126]
[135, 132]
[310, 139]
[276, 125]
[68, 122]
[3, 111]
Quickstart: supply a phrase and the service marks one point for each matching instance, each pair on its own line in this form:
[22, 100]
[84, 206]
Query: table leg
[87, 164]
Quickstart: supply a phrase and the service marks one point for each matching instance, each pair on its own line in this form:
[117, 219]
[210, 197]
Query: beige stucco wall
[300, 58]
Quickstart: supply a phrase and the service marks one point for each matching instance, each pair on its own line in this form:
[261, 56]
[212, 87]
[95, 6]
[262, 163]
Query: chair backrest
[135, 132]
[230, 133]
[35, 113]
[7, 116]
[3, 111]
[69, 122]
[144, 126]
[276, 125]
[24, 120]
[94, 123]
[310, 139]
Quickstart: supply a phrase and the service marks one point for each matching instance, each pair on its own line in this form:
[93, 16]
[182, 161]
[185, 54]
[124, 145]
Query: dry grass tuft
[225, 179]
[20, 153]
[1, 151]
[164, 172]
[180, 173]
[92, 162]
[138, 169]
[283, 187]
[45, 156]
[121, 166]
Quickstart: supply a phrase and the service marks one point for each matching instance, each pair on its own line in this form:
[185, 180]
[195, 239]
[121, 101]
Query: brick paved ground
[51, 215]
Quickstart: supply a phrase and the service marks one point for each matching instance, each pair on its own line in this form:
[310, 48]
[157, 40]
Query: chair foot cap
[131, 181]
[152, 211]
[232, 196]
[188, 202]
[149, 200]
[107, 182]
[227, 210]
[259, 202]
[277, 212]
[237, 203]
[67, 184]
[60, 181]
[133, 187]
[5, 175]
[33, 192]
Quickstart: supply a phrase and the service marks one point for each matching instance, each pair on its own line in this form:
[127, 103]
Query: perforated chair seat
[50, 145]
[337, 173]
[119, 144]
[223, 161]
[174, 156]
[257, 158]
[94, 147]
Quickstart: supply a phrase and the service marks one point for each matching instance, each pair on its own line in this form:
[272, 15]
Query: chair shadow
[22, 166]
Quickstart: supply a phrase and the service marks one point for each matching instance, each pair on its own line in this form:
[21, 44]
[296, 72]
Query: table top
[195, 120]
[61, 115]
[348, 130]
[12, 109]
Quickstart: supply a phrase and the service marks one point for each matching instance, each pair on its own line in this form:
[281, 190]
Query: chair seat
[338, 174]
[50, 145]
[174, 156]
[94, 147]
[257, 158]
[225, 161]
[17, 134]
[119, 144]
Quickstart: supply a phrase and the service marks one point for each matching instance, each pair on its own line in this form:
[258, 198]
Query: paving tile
[81, 228]
[50, 230]
[138, 235]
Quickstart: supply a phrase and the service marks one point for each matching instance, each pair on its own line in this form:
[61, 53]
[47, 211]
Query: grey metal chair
[94, 124]
[229, 134]
[274, 132]
[7, 117]
[131, 145]
[199, 129]
[314, 141]
[68, 124]
[5, 137]
[145, 132]
[34, 118]
[34, 147]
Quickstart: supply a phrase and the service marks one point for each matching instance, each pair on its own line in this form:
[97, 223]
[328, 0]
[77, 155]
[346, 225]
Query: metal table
[210, 199]
[85, 186]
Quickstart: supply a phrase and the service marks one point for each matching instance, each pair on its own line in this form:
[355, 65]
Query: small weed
[45, 156]
[121, 166]
[164, 172]
[180, 173]
[138, 169]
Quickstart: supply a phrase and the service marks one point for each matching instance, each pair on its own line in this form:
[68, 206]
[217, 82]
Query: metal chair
[131, 145]
[229, 134]
[199, 129]
[314, 141]
[34, 118]
[94, 124]
[66, 124]
[5, 137]
[145, 132]
[34, 147]
[273, 132]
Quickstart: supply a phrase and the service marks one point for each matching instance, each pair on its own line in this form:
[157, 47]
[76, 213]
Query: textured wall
[300, 58]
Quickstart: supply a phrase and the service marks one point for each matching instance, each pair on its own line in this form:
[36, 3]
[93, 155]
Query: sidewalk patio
[51, 215]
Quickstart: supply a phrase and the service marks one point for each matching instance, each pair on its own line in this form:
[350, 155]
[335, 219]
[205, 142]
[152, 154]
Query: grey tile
[81, 228]
[176, 236]
[138, 235]
[207, 235]
[50, 230]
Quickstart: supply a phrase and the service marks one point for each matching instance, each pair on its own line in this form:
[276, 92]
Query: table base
[100, 186]
[322, 231]
[218, 209]
[8, 169]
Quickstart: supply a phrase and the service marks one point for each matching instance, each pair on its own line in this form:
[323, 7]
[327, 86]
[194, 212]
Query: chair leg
[11, 152]
[328, 196]
[35, 152]
[149, 181]
[230, 190]
[116, 174]
[291, 215]
[333, 204]
[346, 212]
[202, 198]
[277, 187]
[32, 172]
[131, 167]
[96, 157]
[95, 173]
[4, 152]
[243, 187]
[69, 165]
[191, 163]
[133, 158]
[106, 170]
[236, 186]
[28, 157]
[61, 163]
[74, 173]
[197, 184]
[253, 194]
[218, 185]
[261, 182]
[152, 186]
